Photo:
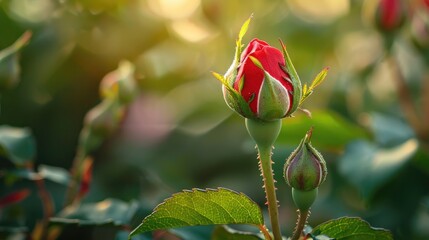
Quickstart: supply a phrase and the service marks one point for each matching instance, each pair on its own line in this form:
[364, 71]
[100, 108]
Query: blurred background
[174, 130]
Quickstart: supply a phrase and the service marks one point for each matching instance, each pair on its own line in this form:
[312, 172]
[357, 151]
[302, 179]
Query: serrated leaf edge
[316, 230]
[193, 190]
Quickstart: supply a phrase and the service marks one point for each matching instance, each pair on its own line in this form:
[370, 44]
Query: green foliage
[17, 144]
[348, 228]
[107, 212]
[332, 130]
[202, 207]
[55, 174]
[369, 166]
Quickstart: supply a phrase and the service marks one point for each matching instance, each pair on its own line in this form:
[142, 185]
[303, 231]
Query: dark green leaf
[16, 233]
[17, 144]
[390, 131]
[369, 167]
[330, 130]
[107, 212]
[192, 233]
[123, 235]
[351, 228]
[226, 233]
[202, 207]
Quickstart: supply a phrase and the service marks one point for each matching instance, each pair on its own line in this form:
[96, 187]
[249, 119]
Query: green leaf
[368, 166]
[227, 233]
[351, 228]
[331, 131]
[385, 130]
[202, 207]
[13, 232]
[191, 233]
[17, 144]
[55, 174]
[108, 212]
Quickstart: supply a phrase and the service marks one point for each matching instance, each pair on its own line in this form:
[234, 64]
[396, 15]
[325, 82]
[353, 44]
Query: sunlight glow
[321, 11]
[174, 9]
[190, 31]
[32, 11]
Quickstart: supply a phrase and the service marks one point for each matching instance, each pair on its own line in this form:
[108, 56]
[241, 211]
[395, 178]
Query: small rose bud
[99, 123]
[104, 118]
[120, 83]
[305, 169]
[387, 15]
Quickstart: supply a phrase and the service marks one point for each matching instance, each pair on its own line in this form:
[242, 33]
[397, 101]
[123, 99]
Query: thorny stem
[265, 165]
[300, 224]
[265, 232]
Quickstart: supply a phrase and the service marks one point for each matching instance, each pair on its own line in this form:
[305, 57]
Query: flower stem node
[263, 133]
[305, 169]
[304, 199]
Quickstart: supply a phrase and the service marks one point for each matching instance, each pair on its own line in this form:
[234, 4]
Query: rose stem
[265, 164]
[300, 224]
[265, 133]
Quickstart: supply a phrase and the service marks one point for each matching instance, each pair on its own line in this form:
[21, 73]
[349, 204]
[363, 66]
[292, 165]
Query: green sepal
[273, 104]
[296, 82]
[231, 73]
[234, 99]
[241, 34]
[307, 91]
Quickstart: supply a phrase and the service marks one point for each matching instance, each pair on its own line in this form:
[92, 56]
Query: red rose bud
[305, 169]
[389, 14]
[261, 82]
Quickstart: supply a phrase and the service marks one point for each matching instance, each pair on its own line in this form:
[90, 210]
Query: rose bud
[387, 15]
[104, 118]
[305, 169]
[99, 123]
[120, 83]
[262, 82]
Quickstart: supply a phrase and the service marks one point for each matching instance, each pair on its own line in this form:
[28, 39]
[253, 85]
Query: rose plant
[262, 86]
